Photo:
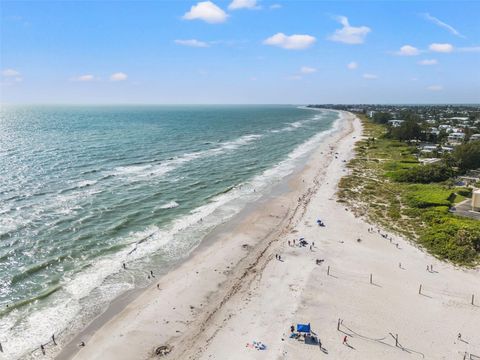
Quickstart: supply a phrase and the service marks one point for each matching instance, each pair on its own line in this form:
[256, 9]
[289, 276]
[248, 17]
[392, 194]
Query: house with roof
[456, 138]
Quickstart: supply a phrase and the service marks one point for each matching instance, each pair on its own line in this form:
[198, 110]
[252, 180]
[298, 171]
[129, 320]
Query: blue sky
[240, 51]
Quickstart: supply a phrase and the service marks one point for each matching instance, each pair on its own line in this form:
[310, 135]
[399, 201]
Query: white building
[456, 137]
[445, 127]
[429, 149]
[395, 123]
[475, 137]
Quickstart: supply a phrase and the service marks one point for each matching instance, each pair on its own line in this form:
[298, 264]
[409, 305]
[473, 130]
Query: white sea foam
[142, 172]
[298, 124]
[63, 202]
[169, 205]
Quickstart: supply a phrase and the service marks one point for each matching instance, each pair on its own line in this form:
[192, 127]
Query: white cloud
[349, 34]
[206, 11]
[428, 62]
[290, 42]
[307, 70]
[370, 76]
[435, 87]
[119, 76]
[275, 6]
[352, 65]
[443, 48]
[243, 4]
[192, 43]
[10, 77]
[10, 73]
[84, 78]
[408, 50]
[440, 23]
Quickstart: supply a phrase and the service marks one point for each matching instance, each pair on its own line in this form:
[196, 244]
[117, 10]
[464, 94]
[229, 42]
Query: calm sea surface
[85, 189]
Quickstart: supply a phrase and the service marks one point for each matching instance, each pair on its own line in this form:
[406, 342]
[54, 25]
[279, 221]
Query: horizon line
[236, 104]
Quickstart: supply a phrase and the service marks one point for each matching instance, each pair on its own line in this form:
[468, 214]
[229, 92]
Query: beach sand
[233, 291]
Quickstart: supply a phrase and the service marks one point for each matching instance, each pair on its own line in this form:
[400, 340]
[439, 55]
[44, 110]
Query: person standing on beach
[345, 340]
[42, 348]
[53, 339]
[124, 266]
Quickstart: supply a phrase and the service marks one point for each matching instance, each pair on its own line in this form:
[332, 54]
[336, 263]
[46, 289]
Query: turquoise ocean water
[85, 189]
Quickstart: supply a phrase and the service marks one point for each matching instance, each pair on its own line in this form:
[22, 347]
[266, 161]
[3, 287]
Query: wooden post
[328, 270]
[473, 298]
[420, 289]
[371, 279]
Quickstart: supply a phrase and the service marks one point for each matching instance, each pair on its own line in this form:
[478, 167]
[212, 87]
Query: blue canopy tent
[305, 328]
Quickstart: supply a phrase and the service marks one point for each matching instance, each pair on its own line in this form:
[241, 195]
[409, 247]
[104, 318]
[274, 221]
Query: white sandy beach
[233, 291]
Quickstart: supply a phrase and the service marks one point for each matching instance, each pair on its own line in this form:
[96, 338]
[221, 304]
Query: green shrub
[467, 156]
[423, 196]
[426, 174]
[466, 192]
[455, 239]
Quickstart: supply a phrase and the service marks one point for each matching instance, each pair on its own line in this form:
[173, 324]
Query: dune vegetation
[388, 186]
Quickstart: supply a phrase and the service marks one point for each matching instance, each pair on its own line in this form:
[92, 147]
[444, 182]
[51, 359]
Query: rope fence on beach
[469, 356]
[428, 291]
[358, 277]
[460, 297]
[347, 330]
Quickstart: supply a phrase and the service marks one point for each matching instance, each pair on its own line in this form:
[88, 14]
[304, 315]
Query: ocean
[86, 189]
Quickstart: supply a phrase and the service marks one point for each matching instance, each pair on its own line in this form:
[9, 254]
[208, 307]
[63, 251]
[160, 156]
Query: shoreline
[121, 304]
[233, 290]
